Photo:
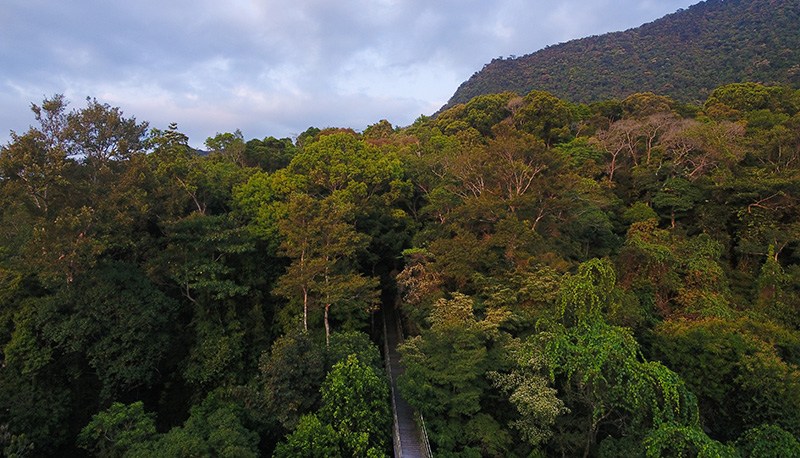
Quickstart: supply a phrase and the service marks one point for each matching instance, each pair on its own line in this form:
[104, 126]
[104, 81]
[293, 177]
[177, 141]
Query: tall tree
[322, 244]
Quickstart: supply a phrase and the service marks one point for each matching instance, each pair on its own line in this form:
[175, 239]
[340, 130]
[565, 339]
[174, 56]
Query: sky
[276, 67]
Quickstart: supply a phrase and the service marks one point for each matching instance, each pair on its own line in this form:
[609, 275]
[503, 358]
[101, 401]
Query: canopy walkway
[410, 439]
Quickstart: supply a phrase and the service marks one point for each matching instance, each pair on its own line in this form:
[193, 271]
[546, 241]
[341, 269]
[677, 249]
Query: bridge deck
[408, 440]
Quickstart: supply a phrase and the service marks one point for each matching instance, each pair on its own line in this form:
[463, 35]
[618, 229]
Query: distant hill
[684, 55]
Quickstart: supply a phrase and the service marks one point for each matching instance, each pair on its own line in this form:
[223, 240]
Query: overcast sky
[276, 67]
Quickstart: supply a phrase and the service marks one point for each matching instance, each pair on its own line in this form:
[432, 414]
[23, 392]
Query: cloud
[275, 67]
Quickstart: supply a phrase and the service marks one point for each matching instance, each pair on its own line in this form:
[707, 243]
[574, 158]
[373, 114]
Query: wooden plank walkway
[408, 441]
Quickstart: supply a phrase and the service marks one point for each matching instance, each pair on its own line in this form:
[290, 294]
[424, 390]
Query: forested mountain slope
[684, 55]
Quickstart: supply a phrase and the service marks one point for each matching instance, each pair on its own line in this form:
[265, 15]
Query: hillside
[684, 55]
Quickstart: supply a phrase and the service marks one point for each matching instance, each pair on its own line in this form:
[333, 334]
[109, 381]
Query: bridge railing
[426, 444]
[398, 448]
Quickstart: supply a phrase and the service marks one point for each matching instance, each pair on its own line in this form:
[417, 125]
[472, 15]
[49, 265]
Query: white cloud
[276, 67]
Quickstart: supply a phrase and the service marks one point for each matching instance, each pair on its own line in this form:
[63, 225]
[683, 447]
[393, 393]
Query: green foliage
[113, 432]
[311, 439]
[354, 419]
[271, 154]
[447, 378]
[643, 104]
[229, 145]
[217, 356]
[545, 116]
[162, 277]
[481, 113]
[291, 376]
[112, 317]
[775, 298]
[39, 411]
[99, 134]
[322, 244]
[344, 344]
[355, 402]
[585, 295]
[341, 163]
[14, 446]
[381, 129]
[258, 201]
[529, 390]
[672, 439]
[214, 428]
[603, 379]
[767, 441]
[746, 97]
[639, 212]
[121, 322]
[603, 376]
[679, 276]
[755, 378]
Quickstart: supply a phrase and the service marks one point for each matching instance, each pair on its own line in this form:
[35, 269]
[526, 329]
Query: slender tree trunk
[327, 327]
[589, 435]
[327, 306]
[305, 308]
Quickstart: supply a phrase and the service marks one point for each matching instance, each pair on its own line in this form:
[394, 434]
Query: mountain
[684, 55]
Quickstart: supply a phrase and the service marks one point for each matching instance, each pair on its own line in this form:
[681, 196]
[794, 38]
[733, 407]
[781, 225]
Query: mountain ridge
[684, 55]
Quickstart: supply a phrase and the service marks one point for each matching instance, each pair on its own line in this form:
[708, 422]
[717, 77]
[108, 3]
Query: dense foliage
[614, 279]
[684, 55]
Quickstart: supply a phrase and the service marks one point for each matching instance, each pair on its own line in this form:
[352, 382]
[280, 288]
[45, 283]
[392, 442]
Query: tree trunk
[589, 436]
[327, 327]
[305, 308]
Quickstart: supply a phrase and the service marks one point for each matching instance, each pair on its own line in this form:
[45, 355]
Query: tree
[599, 368]
[530, 390]
[355, 401]
[672, 274]
[340, 163]
[198, 255]
[187, 181]
[229, 145]
[37, 159]
[270, 154]
[113, 432]
[311, 439]
[290, 377]
[677, 440]
[644, 104]
[344, 344]
[545, 116]
[733, 99]
[120, 321]
[322, 245]
[447, 379]
[381, 129]
[676, 197]
[12, 445]
[100, 136]
[767, 441]
[621, 138]
[775, 298]
[214, 428]
[110, 329]
[744, 372]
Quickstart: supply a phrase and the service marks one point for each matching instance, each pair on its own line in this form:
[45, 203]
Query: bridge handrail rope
[425, 441]
[398, 448]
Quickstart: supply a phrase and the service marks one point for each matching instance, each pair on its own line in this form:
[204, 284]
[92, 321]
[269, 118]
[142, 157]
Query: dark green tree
[355, 401]
[116, 430]
[291, 376]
